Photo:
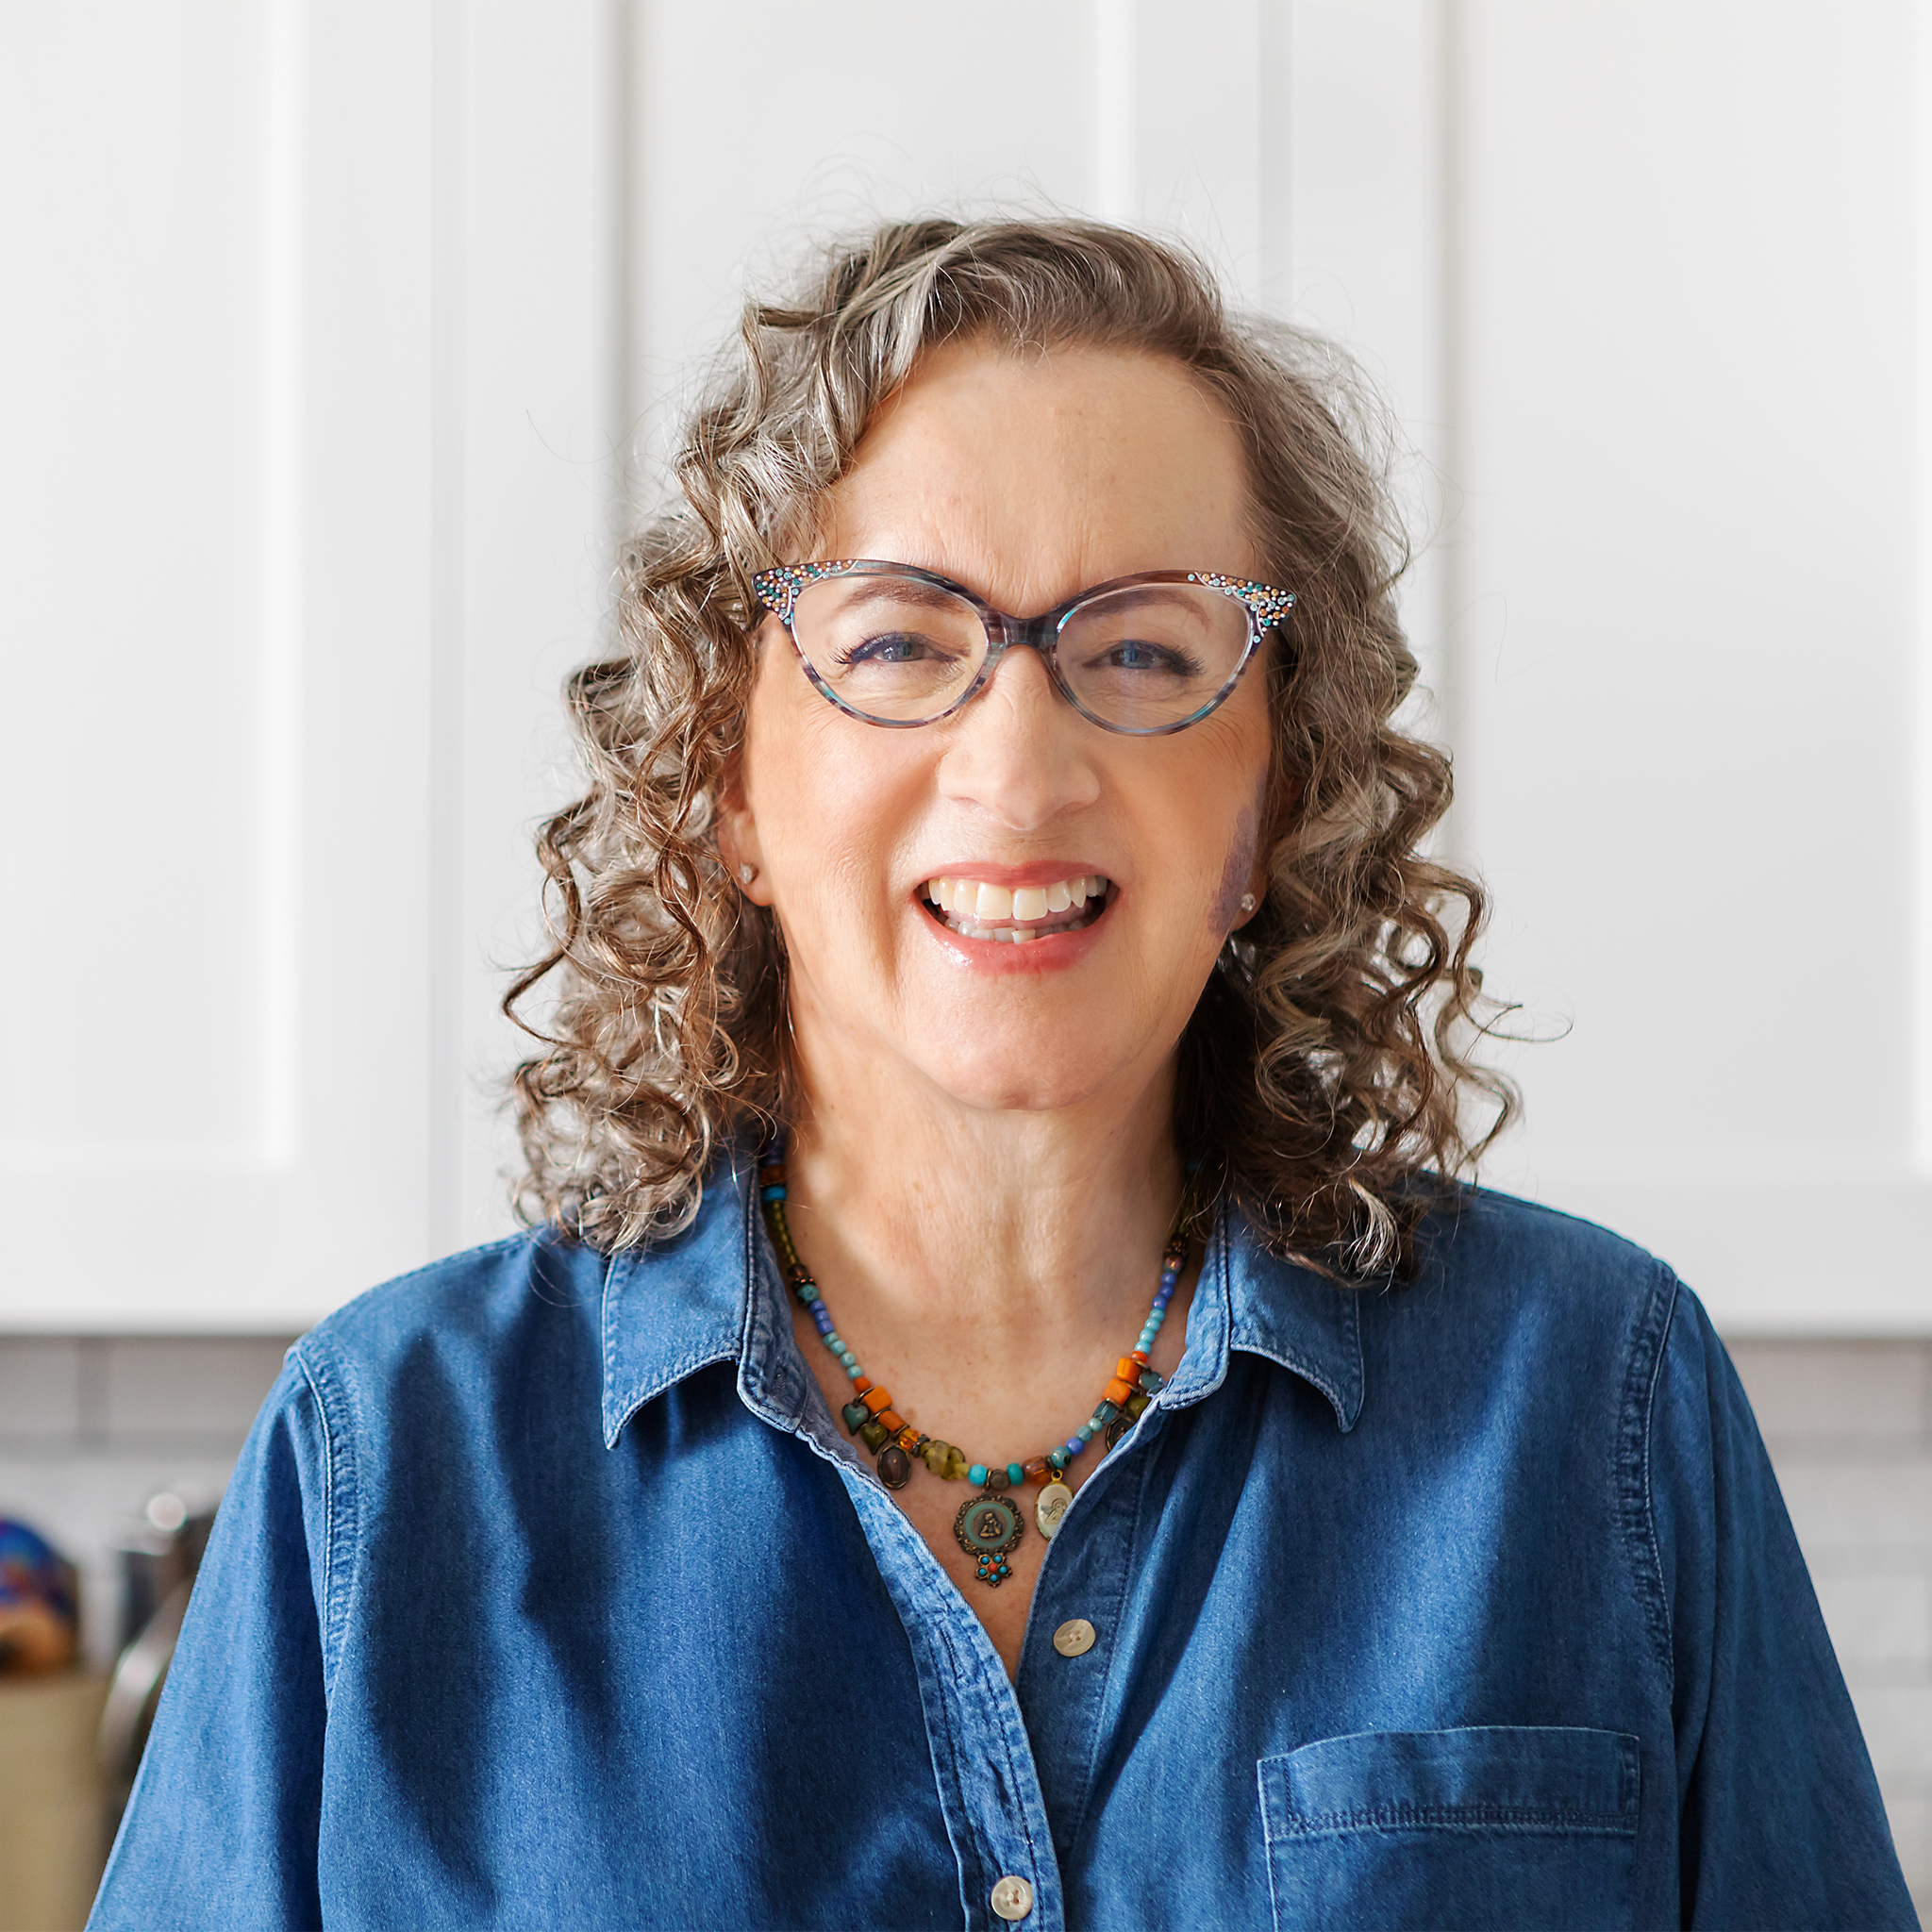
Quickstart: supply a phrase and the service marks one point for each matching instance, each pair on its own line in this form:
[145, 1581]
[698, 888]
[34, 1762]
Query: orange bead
[909, 1437]
[888, 1421]
[1036, 1470]
[1141, 1356]
[876, 1399]
[1127, 1369]
[1117, 1393]
[860, 1385]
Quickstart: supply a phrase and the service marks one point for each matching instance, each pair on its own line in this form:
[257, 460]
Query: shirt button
[1012, 1898]
[1073, 1637]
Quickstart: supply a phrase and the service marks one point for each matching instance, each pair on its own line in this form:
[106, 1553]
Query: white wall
[344, 318]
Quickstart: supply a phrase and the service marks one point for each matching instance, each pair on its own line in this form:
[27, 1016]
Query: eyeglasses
[1143, 655]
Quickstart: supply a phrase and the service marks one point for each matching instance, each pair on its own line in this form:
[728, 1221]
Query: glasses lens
[890, 647]
[1150, 655]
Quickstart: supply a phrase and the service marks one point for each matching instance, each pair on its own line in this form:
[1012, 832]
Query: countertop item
[51, 1829]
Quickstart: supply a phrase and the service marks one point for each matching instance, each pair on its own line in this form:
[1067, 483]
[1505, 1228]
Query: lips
[1014, 915]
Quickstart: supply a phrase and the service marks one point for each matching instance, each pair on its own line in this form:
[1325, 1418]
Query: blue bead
[976, 1474]
[1015, 1475]
[1056, 1458]
[1085, 1432]
[851, 1367]
[774, 1192]
[1074, 1444]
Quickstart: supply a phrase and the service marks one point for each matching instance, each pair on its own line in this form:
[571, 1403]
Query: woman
[1002, 1418]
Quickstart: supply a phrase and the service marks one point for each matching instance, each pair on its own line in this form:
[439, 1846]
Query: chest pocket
[1505, 1825]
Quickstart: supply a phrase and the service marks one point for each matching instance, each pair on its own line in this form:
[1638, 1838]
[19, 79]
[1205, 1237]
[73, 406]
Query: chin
[1011, 1077]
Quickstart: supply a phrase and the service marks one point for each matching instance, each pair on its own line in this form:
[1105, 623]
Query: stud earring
[747, 873]
[1247, 902]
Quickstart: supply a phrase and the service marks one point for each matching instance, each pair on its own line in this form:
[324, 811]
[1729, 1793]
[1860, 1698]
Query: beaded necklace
[989, 1527]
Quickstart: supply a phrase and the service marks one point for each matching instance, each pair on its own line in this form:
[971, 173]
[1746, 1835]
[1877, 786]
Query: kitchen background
[350, 333]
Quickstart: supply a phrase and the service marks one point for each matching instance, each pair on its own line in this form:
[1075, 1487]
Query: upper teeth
[985, 904]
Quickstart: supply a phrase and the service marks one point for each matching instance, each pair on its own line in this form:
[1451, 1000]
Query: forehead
[1029, 474]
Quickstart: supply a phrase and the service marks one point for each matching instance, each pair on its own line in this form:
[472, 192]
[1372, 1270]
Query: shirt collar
[680, 1304]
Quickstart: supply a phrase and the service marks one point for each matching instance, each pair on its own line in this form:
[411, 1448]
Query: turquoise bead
[976, 1475]
[1015, 1475]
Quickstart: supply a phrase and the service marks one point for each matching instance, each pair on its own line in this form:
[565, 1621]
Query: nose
[1020, 753]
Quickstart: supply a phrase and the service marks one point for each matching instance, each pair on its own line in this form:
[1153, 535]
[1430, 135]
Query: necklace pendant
[1051, 1507]
[989, 1529]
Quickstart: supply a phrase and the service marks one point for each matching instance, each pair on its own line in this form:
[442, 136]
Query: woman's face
[1028, 481]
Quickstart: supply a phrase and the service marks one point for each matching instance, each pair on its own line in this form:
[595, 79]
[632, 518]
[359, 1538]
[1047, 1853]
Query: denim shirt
[548, 1593]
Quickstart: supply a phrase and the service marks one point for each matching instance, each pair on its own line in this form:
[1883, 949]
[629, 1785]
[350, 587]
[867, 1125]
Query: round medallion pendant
[1051, 1507]
[989, 1529]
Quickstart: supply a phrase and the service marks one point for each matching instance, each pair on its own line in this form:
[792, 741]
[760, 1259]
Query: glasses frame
[778, 589]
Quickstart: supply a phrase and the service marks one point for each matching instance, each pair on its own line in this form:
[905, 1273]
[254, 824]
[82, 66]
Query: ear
[738, 835]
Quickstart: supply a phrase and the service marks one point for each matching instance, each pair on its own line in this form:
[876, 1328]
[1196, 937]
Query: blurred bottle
[156, 1559]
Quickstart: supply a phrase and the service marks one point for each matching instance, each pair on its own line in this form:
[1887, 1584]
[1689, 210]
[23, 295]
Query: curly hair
[1322, 1075]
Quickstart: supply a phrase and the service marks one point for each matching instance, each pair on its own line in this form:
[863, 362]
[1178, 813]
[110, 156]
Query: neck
[993, 1232]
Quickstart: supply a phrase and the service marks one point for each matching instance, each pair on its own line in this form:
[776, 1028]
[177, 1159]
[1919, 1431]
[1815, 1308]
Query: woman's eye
[1136, 654]
[892, 647]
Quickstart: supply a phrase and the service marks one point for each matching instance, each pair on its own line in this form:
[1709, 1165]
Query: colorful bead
[872, 1418]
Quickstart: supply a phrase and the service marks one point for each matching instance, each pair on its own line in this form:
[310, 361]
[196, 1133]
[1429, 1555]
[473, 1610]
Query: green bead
[873, 1435]
[855, 1414]
[1136, 1403]
[956, 1464]
[976, 1475]
[934, 1456]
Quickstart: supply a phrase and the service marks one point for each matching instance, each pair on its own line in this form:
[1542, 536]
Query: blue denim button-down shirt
[548, 1593]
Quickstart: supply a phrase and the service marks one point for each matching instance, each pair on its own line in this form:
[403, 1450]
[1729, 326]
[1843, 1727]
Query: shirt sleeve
[1781, 1818]
[221, 1827]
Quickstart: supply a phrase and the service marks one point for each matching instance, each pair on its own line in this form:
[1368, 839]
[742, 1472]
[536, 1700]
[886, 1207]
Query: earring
[1247, 902]
[746, 874]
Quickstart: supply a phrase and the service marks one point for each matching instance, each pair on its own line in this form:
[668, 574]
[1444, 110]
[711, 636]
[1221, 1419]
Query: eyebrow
[881, 589]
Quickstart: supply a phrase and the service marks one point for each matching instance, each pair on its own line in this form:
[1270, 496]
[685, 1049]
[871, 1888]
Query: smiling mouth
[976, 911]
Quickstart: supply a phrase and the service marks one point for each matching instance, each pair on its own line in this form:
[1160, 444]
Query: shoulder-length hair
[1321, 1075]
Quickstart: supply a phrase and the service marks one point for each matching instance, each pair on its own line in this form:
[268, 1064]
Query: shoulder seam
[1637, 1505]
[341, 1530]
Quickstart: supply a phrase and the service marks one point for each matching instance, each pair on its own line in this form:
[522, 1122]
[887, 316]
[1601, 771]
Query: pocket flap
[1494, 1777]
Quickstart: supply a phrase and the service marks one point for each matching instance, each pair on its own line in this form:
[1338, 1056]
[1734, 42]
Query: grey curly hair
[1320, 1078]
